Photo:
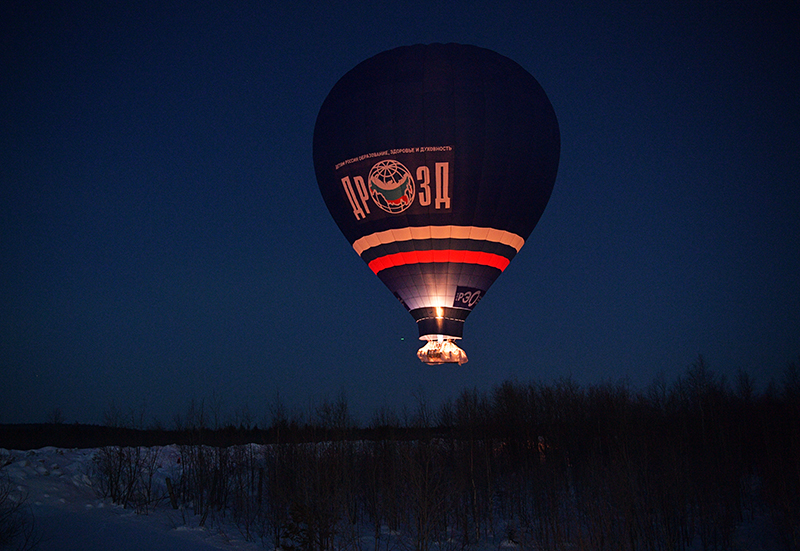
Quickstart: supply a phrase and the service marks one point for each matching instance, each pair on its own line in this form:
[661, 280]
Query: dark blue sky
[162, 237]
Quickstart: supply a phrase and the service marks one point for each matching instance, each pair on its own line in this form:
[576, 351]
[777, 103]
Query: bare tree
[17, 524]
[55, 416]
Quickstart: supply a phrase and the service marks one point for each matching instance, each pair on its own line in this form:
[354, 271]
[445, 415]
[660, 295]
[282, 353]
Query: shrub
[17, 523]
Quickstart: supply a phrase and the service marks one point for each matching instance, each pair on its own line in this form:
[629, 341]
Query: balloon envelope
[436, 162]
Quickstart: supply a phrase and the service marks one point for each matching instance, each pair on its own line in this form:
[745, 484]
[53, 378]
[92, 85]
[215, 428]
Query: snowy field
[61, 495]
[70, 515]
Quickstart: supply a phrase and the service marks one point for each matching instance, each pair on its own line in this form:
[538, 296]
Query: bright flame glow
[441, 352]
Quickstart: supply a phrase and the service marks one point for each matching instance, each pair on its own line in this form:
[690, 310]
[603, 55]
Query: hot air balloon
[436, 162]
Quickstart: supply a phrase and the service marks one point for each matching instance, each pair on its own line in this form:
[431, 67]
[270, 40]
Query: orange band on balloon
[425, 257]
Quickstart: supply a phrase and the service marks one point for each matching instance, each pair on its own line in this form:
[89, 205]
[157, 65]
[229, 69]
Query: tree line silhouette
[545, 466]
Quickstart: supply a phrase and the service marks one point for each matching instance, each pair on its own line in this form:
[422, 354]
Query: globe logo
[391, 186]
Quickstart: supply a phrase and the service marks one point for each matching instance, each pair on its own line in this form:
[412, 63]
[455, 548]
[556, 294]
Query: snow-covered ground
[70, 514]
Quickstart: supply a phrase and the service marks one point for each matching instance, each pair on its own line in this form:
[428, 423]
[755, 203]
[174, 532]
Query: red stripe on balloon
[425, 257]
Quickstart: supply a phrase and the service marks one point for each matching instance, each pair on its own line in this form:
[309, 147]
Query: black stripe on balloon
[416, 279]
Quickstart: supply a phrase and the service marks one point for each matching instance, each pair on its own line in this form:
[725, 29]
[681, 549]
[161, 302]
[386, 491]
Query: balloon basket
[444, 352]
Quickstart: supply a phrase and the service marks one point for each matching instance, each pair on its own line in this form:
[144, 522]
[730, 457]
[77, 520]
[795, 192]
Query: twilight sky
[163, 239]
